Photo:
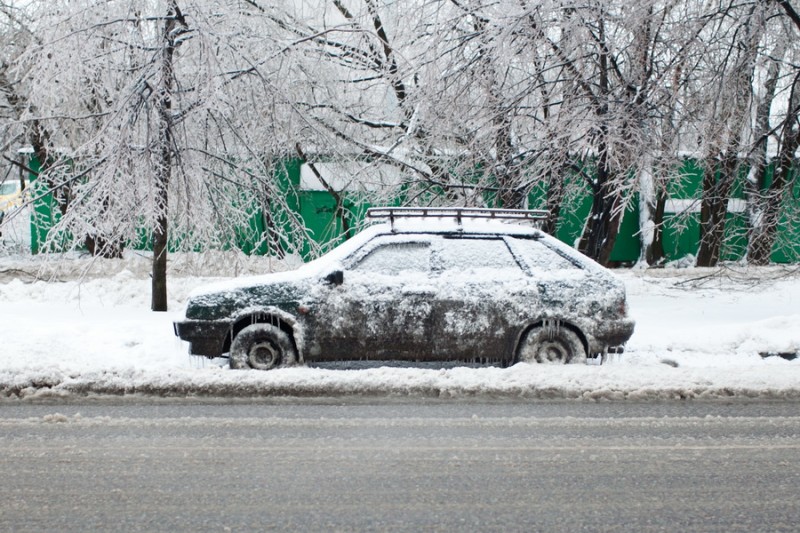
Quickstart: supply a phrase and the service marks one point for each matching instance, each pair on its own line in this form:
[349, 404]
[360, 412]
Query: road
[399, 465]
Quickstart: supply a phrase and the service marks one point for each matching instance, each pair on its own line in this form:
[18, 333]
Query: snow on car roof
[418, 225]
[329, 261]
[450, 225]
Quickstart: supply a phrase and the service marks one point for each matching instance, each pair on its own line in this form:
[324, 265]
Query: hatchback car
[427, 285]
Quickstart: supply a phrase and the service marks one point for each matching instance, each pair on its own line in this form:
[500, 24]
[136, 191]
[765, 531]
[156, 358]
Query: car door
[382, 308]
[483, 296]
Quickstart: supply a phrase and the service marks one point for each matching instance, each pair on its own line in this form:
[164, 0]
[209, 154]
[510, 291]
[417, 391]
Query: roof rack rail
[458, 213]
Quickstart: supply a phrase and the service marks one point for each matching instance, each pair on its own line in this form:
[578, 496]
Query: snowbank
[699, 334]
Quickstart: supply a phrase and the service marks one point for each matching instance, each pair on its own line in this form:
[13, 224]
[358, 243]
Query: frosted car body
[485, 291]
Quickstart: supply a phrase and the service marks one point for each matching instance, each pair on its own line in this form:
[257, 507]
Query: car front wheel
[551, 344]
[261, 346]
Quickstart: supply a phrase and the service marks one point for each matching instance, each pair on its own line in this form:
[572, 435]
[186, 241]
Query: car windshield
[342, 251]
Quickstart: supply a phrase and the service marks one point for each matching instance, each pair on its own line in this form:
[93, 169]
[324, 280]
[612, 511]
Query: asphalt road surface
[399, 465]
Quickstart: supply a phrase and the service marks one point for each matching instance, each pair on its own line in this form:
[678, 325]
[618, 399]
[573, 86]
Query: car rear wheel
[551, 344]
[261, 346]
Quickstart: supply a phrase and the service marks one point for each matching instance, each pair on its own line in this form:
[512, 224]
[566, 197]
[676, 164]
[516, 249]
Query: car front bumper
[205, 337]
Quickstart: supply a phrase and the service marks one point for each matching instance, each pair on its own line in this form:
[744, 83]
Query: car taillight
[622, 307]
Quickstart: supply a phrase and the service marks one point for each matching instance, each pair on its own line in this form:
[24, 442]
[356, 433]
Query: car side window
[475, 255]
[394, 258]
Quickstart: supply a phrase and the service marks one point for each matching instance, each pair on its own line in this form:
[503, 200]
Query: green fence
[317, 211]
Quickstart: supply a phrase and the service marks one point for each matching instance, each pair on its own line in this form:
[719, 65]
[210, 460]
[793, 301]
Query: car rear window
[539, 256]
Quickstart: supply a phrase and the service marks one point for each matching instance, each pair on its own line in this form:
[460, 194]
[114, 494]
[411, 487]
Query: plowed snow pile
[714, 333]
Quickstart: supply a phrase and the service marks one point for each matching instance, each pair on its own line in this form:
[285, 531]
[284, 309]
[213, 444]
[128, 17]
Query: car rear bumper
[204, 337]
[611, 336]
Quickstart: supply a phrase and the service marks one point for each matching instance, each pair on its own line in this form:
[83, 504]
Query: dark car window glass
[473, 254]
[395, 258]
[539, 256]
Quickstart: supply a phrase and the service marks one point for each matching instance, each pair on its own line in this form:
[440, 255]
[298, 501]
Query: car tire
[262, 347]
[551, 344]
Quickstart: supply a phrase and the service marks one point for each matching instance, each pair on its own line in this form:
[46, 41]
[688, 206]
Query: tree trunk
[765, 206]
[655, 254]
[601, 230]
[755, 184]
[163, 167]
[100, 246]
[717, 183]
[509, 194]
[555, 197]
[274, 246]
[652, 202]
[704, 252]
[761, 243]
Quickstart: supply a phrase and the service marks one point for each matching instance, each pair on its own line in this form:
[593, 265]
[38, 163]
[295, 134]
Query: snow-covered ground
[88, 330]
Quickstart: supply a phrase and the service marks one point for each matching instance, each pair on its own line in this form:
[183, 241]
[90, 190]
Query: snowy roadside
[699, 334]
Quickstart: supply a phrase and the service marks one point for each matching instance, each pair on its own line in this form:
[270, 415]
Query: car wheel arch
[280, 319]
[545, 323]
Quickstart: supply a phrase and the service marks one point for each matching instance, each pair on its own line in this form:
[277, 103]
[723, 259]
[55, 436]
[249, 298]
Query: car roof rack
[458, 213]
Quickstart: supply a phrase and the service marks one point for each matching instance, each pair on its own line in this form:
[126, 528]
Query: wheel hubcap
[551, 353]
[263, 355]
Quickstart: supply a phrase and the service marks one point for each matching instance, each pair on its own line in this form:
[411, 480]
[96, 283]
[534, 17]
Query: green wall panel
[316, 210]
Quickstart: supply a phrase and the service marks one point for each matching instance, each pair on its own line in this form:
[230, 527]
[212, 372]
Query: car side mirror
[335, 278]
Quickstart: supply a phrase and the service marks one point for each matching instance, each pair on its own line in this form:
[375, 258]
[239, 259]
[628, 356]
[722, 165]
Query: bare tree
[734, 48]
[178, 117]
[767, 203]
[16, 34]
[160, 122]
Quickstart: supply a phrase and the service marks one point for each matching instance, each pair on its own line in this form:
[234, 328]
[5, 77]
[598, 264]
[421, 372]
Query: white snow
[693, 205]
[699, 334]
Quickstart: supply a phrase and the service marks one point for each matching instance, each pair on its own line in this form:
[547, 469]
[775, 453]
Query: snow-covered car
[429, 285]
